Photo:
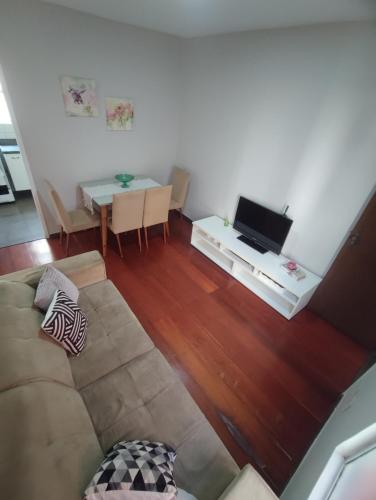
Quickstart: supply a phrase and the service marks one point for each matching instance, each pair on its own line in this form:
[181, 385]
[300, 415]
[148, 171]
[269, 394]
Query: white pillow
[53, 280]
[183, 495]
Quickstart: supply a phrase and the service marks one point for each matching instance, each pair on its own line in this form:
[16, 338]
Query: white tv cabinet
[261, 273]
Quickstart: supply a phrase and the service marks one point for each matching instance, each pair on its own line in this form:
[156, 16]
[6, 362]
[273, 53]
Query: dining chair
[180, 182]
[72, 221]
[156, 209]
[127, 214]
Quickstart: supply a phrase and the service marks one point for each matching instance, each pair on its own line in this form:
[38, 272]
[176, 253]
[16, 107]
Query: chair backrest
[180, 181]
[127, 211]
[61, 214]
[157, 205]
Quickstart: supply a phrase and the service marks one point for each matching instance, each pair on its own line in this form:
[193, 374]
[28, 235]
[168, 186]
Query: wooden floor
[272, 381]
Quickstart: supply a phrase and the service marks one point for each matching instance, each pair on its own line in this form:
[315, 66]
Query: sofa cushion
[84, 270]
[149, 402]
[48, 445]
[114, 335]
[16, 294]
[24, 355]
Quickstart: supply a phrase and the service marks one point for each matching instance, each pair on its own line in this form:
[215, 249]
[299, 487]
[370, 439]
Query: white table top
[102, 191]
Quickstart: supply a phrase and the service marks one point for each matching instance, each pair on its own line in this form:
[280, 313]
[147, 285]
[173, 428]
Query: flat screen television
[260, 227]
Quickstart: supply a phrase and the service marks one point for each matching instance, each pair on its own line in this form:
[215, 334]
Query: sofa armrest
[248, 485]
[84, 269]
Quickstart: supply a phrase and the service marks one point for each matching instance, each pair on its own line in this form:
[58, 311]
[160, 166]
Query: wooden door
[347, 295]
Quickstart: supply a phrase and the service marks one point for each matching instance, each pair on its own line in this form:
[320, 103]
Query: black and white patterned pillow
[66, 323]
[135, 466]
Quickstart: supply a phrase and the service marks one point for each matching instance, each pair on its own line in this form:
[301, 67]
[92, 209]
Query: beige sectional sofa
[59, 414]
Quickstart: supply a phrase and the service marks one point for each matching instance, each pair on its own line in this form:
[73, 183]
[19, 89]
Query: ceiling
[192, 18]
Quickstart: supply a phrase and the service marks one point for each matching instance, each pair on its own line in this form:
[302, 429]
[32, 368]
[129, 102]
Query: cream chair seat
[180, 182]
[156, 208]
[71, 221]
[127, 214]
[82, 219]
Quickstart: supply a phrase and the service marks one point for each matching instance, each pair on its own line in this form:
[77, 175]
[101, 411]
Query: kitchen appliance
[15, 168]
[6, 194]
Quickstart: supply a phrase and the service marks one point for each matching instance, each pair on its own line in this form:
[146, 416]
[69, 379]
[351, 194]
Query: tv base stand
[252, 244]
[260, 273]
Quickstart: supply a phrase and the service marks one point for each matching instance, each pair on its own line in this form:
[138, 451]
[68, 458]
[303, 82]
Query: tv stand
[252, 243]
[259, 272]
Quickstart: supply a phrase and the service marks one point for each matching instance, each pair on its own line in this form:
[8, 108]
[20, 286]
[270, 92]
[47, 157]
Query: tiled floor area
[19, 222]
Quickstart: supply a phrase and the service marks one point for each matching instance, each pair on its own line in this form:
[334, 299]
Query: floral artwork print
[79, 96]
[119, 113]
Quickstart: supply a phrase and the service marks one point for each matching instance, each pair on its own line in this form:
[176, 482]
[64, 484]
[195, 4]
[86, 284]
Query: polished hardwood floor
[266, 384]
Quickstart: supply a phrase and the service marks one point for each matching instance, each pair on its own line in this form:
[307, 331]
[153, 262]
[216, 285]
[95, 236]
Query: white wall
[280, 116]
[283, 116]
[40, 42]
[355, 412]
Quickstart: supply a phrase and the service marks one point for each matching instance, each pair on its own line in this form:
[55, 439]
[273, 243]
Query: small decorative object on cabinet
[261, 273]
[293, 270]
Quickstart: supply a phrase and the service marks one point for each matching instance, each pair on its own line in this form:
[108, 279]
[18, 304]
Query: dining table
[97, 197]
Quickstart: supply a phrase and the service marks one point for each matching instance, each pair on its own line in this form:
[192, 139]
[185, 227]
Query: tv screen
[261, 227]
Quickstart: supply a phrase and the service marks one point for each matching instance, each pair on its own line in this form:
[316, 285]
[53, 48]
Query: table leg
[104, 229]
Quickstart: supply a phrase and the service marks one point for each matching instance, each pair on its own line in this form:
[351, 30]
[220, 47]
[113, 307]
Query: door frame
[20, 143]
[350, 229]
[346, 452]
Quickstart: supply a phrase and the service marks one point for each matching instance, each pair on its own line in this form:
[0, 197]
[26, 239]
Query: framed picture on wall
[79, 96]
[119, 113]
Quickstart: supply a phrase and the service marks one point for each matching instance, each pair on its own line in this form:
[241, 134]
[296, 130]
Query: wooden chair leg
[139, 238]
[167, 229]
[164, 232]
[119, 245]
[146, 237]
[61, 235]
[181, 212]
[67, 245]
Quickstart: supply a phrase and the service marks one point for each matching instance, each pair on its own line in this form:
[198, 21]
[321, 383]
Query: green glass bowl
[125, 179]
